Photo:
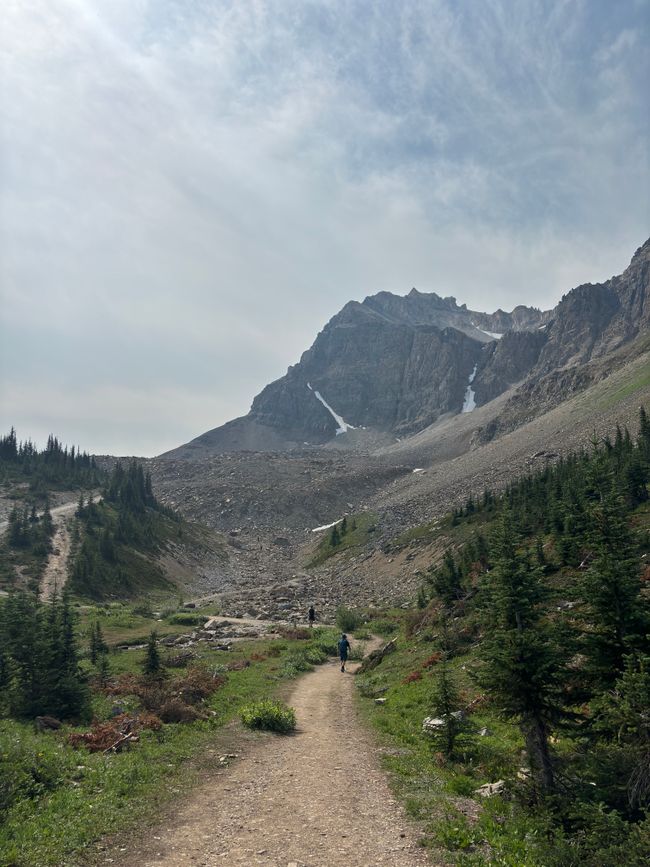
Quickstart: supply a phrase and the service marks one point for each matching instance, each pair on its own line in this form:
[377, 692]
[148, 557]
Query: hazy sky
[192, 188]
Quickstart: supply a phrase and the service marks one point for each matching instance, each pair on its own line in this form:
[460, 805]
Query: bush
[348, 620]
[385, 628]
[295, 633]
[176, 711]
[327, 641]
[295, 664]
[315, 655]
[184, 619]
[198, 683]
[270, 716]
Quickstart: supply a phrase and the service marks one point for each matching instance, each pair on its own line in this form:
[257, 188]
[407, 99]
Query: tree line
[129, 515]
[54, 466]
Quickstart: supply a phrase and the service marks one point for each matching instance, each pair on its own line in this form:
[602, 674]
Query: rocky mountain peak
[396, 363]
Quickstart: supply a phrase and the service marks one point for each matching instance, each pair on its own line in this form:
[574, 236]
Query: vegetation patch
[272, 716]
[350, 534]
[513, 712]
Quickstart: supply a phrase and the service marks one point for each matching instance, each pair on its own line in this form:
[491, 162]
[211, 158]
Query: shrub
[434, 659]
[414, 675]
[295, 633]
[295, 663]
[269, 716]
[315, 654]
[176, 711]
[198, 683]
[385, 628]
[183, 619]
[348, 620]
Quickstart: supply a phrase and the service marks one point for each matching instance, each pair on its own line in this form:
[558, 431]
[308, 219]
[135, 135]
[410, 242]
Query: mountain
[394, 365]
[543, 385]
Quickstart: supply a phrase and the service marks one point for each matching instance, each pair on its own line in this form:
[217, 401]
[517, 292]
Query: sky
[190, 189]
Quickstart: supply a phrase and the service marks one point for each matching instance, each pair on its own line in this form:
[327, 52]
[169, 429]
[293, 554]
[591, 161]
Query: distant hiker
[344, 647]
[311, 615]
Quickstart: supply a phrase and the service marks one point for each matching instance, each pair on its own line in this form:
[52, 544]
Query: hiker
[311, 615]
[344, 646]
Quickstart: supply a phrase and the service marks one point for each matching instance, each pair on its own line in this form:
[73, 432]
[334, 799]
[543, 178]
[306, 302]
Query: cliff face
[595, 319]
[397, 363]
[389, 377]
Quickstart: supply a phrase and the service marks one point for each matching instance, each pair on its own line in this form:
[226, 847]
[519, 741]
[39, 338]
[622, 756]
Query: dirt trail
[55, 573]
[315, 799]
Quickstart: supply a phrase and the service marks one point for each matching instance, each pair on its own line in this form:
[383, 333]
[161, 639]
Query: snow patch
[470, 403]
[419, 470]
[327, 526]
[495, 335]
[343, 426]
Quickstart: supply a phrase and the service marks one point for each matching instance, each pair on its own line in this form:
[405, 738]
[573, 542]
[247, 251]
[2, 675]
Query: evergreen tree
[152, 665]
[335, 537]
[447, 579]
[522, 661]
[447, 703]
[612, 589]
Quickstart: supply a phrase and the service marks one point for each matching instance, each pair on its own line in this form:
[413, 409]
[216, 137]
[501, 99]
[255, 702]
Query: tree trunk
[539, 756]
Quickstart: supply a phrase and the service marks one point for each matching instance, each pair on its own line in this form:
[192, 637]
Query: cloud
[191, 190]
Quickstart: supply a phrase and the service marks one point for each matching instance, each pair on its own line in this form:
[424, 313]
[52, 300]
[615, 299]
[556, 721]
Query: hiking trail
[314, 799]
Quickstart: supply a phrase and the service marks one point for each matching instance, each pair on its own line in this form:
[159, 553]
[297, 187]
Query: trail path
[315, 799]
[55, 573]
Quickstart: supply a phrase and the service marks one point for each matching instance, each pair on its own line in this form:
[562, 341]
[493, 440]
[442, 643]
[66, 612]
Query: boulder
[490, 789]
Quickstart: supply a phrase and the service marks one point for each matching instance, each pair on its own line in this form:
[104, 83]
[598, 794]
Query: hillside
[69, 521]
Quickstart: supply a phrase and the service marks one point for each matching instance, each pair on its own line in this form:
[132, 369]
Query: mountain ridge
[396, 364]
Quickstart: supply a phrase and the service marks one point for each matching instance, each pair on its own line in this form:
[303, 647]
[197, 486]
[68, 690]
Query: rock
[432, 724]
[490, 789]
[380, 701]
[375, 658]
[485, 732]
[190, 605]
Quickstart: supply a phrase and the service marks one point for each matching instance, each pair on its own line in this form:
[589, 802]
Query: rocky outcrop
[507, 362]
[375, 374]
[593, 320]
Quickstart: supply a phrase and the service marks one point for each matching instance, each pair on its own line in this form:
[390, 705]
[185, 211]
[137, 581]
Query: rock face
[395, 364]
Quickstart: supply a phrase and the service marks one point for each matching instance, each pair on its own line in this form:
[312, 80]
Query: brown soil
[315, 798]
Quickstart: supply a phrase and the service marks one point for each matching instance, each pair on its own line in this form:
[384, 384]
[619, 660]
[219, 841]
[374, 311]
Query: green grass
[640, 380]
[361, 528]
[428, 785]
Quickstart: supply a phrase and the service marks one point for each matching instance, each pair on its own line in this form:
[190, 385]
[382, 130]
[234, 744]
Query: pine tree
[335, 537]
[522, 661]
[447, 579]
[447, 703]
[612, 589]
[152, 665]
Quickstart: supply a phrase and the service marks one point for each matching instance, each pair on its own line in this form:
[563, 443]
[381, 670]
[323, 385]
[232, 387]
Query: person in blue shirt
[344, 647]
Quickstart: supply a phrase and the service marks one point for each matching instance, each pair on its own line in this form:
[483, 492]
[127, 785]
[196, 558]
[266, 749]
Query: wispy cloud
[191, 190]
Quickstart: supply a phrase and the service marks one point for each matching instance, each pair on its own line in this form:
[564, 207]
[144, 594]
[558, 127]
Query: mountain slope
[396, 365]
